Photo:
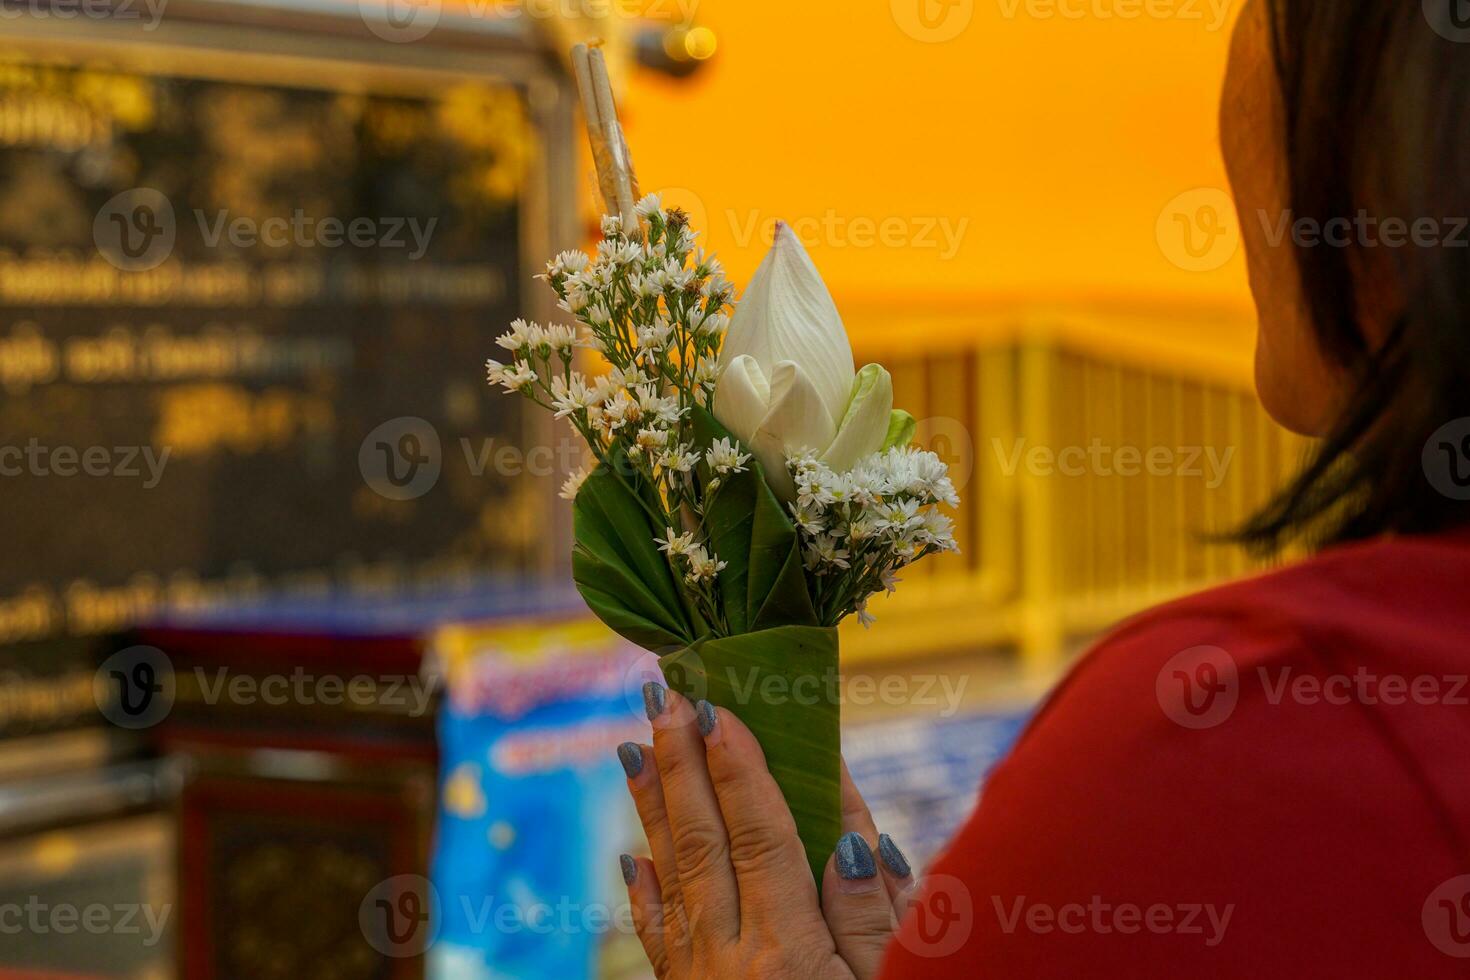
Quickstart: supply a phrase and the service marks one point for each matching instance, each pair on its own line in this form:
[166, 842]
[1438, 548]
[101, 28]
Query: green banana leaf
[619, 570]
[783, 684]
[763, 584]
[777, 668]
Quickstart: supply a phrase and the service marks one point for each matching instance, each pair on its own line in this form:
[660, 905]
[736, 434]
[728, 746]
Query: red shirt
[1268, 779]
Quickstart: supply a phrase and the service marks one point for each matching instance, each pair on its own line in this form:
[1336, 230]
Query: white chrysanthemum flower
[574, 483]
[651, 439]
[713, 325]
[655, 337]
[567, 264]
[612, 225]
[619, 410]
[707, 371]
[577, 299]
[571, 397]
[514, 339]
[900, 516]
[650, 206]
[890, 581]
[703, 567]
[675, 545]
[864, 527]
[513, 378]
[823, 553]
[810, 520]
[816, 484]
[680, 459]
[944, 492]
[665, 410]
[619, 254]
[561, 338]
[724, 457]
[938, 530]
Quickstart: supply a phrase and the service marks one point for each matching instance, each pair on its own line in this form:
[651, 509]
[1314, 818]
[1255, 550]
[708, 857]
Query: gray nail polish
[630, 754]
[855, 858]
[654, 695]
[893, 858]
[705, 713]
[630, 868]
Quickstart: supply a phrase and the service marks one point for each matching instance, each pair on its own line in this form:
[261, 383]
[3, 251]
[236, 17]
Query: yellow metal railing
[1092, 464]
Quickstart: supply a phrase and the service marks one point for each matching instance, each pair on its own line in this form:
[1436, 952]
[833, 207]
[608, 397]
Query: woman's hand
[729, 893]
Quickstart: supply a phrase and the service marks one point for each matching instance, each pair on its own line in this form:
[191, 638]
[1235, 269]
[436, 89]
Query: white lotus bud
[787, 383]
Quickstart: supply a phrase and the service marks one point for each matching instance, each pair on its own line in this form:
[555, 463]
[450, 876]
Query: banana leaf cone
[783, 684]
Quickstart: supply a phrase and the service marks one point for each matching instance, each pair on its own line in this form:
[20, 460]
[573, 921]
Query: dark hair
[1377, 119]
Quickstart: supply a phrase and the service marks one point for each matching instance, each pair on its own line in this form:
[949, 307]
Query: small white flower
[619, 410]
[863, 528]
[569, 398]
[725, 457]
[675, 545]
[707, 371]
[809, 519]
[577, 299]
[651, 439]
[574, 483]
[655, 337]
[823, 554]
[665, 410]
[938, 530]
[713, 325]
[567, 264]
[703, 567]
[611, 225]
[864, 617]
[510, 378]
[680, 459]
[900, 516]
[561, 338]
[648, 207]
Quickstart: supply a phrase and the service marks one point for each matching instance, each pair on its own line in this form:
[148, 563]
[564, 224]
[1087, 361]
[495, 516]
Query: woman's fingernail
[705, 713]
[654, 697]
[630, 754]
[892, 857]
[855, 858]
[630, 868]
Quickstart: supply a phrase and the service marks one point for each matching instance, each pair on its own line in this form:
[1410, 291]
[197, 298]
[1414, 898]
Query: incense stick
[612, 132]
[602, 156]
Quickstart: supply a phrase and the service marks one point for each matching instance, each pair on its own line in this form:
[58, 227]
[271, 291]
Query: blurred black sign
[242, 335]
